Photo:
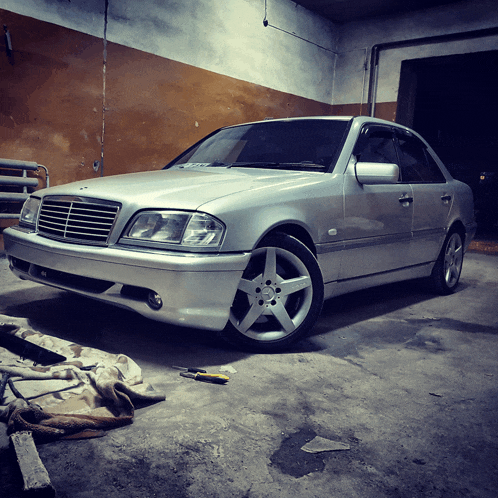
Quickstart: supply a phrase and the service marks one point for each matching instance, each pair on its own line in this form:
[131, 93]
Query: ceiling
[341, 11]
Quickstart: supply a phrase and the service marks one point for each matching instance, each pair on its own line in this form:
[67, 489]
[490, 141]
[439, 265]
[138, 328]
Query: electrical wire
[266, 23]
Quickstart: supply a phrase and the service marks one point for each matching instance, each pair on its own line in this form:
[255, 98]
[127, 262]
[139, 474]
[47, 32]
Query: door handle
[446, 198]
[406, 199]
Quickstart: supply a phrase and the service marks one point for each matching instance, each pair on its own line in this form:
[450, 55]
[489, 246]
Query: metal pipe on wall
[376, 49]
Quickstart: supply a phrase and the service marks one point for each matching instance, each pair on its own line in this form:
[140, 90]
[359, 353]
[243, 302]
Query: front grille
[77, 219]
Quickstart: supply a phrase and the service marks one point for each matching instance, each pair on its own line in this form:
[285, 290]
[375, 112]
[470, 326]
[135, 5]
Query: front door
[377, 218]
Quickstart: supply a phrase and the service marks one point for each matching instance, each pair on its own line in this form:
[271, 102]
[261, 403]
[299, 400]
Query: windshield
[301, 144]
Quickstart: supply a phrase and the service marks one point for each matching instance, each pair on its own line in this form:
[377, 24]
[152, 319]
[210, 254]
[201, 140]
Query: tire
[279, 298]
[448, 267]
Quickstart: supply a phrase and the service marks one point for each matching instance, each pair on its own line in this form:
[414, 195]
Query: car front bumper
[196, 290]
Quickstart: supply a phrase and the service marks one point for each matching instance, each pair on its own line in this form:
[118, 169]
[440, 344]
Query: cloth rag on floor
[89, 392]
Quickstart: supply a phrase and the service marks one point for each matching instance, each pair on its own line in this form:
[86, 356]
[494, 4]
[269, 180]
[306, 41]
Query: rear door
[377, 218]
[432, 196]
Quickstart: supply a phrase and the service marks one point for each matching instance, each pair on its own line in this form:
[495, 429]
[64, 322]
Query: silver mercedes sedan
[250, 229]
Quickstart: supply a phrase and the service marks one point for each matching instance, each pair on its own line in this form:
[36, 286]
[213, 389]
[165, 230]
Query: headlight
[162, 227]
[29, 211]
[177, 227]
[203, 230]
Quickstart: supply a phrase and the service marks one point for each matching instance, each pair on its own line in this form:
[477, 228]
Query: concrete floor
[407, 379]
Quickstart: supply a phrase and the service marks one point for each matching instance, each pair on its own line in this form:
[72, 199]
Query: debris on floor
[319, 444]
[228, 369]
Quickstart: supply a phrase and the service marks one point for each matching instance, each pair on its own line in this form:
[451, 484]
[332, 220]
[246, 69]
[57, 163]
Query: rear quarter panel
[462, 209]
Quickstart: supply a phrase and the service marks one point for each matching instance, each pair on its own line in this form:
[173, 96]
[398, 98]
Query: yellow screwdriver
[199, 374]
[205, 377]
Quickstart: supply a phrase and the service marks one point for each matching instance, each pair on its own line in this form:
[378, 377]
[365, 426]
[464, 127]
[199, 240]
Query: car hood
[179, 189]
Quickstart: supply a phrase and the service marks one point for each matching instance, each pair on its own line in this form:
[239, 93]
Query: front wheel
[446, 272]
[279, 297]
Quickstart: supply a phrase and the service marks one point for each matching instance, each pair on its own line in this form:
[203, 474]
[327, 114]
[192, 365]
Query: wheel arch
[294, 230]
[458, 226]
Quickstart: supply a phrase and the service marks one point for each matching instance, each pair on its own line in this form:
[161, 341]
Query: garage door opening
[452, 101]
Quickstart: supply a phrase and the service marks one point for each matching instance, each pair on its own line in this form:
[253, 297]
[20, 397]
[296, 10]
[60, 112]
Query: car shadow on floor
[115, 330]
[357, 318]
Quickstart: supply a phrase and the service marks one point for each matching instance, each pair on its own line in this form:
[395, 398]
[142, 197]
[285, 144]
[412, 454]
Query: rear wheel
[446, 272]
[279, 297]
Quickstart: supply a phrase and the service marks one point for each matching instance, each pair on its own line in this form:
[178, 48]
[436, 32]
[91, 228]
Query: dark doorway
[452, 101]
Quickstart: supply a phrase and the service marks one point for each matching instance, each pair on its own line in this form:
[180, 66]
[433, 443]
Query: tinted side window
[416, 164]
[434, 172]
[376, 145]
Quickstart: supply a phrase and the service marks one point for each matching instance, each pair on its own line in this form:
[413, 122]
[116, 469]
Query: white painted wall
[354, 38]
[294, 54]
[224, 36]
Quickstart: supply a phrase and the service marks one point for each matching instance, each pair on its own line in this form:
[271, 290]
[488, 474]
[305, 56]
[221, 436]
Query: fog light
[154, 300]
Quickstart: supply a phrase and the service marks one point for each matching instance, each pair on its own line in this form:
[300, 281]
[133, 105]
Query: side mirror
[376, 173]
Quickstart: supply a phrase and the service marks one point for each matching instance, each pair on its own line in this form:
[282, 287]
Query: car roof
[299, 118]
[359, 120]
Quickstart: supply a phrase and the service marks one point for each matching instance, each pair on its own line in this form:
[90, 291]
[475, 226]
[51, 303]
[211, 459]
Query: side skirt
[339, 287]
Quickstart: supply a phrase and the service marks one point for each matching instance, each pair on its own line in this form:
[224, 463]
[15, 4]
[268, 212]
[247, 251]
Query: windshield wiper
[276, 165]
[253, 164]
[217, 164]
[221, 164]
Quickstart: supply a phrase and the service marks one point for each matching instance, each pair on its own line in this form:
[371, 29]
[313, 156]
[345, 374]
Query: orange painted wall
[383, 110]
[157, 107]
[50, 105]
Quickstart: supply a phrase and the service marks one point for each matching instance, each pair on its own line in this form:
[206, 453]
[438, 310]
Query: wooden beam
[35, 476]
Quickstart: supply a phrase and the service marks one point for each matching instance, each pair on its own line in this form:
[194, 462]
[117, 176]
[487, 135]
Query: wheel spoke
[280, 313]
[449, 272]
[453, 273]
[270, 272]
[294, 285]
[451, 246]
[453, 260]
[252, 315]
[248, 287]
